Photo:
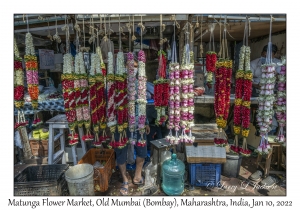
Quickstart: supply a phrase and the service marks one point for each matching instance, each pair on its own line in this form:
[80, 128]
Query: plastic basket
[42, 180]
[205, 174]
[101, 175]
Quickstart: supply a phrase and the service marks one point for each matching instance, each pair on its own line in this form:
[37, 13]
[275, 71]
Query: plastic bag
[17, 139]
[130, 154]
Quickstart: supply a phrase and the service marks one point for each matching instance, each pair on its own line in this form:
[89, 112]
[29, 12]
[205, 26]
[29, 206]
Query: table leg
[279, 158]
[50, 145]
[74, 154]
[83, 145]
[158, 167]
[62, 145]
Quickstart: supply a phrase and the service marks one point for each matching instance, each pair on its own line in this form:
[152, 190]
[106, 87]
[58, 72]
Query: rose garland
[121, 100]
[265, 110]
[68, 78]
[211, 60]
[84, 92]
[237, 119]
[142, 100]
[174, 103]
[18, 87]
[187, 97]
[77, 91]
[95, 66]
[280, 108]
[111, 107]
[101, 99]
[161, 90]
[32, 75]
[222, 97]
[131, 92]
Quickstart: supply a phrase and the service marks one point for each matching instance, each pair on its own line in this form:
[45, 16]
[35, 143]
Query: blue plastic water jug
[173, 176]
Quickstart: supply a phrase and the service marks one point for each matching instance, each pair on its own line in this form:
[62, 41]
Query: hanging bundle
[222, 92]
[266, 99]
[111, 94]
[211, 58]
[161, 85]
[68, 87]
[142, 100]
[174, 96]
[131, 92]
[280, 108]
[18, 79]
[121, 100]
[187, 93]
[101, 97]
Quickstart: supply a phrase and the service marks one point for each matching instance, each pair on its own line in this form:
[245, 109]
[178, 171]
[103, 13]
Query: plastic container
[205, 174]
[173, 176]
[80, 180]
[42, 180]
[232, 166]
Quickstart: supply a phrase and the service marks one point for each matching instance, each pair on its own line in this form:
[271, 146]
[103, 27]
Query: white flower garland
[29, 49]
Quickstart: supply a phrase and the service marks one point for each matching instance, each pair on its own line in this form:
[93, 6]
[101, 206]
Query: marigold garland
[222, 97]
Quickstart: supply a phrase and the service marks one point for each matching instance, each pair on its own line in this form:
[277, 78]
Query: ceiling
[42, 25]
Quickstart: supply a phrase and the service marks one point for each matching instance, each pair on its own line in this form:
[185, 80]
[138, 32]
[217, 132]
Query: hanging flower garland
[222, 98]
[131, 92]
[265, 110]
[111, 106]
[67, 78]
[174, 104]
[121, 100]
[142, 100]
[101, 99]
[32, 76]
[84, 92]
[95, 64]
[211, 60]
[18, 78]
[237, 119]
[280, 108]
[77, 90]
[187, 96]
[161, 90]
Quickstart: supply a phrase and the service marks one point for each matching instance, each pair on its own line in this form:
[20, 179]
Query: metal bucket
[232, 166]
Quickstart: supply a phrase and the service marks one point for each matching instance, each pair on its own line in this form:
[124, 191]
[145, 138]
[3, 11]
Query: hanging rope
[201, 45]
[174, 55]
[109, 34]
[28, 23]
[120, 45]
[269, 50]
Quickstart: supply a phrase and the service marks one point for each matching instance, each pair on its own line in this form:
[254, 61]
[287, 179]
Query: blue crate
[205, 174]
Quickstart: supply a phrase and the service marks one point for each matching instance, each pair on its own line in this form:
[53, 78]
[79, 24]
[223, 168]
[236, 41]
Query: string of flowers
[77, 90]
[95, 64]
[265, 110]
[131, 92]
[32, 75]
[142, 100]
[174, 103]
[222, 98]
[237, 119]
[187, 96]
[111, 106]
[84, 88]
[211, 60]
[161, 90]
[280, 108]
[18, 87]
[245, 110]
[101, 99]
[121, 100]
[68, 78]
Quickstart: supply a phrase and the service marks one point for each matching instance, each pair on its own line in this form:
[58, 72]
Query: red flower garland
[211, 60]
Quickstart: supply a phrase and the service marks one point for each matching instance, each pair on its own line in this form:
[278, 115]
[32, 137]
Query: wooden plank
[61, 118]
[205, 154]
[205, 160]
[205, 127]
